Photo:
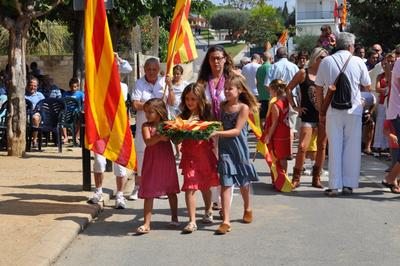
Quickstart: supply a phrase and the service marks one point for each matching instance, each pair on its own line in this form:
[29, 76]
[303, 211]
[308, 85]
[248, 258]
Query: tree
[230, 19]
[376, 21]
[242, 4]
[305, 42]
[264, 23]
[16, 16]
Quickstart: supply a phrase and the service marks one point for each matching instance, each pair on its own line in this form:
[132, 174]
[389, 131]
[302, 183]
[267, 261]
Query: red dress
[280, 141]
[199, 165]
[159, 176]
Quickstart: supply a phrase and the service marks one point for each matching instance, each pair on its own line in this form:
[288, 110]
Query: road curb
[59, 236]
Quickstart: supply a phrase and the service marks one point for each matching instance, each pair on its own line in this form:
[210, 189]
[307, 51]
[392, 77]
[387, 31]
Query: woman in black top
[305, 78]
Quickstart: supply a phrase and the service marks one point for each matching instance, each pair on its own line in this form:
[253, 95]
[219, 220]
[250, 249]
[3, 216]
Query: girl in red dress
[198, 163]
[159, 176]
[277, 123]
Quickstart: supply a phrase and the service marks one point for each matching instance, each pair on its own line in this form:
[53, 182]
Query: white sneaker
[207, 218]
[134, 195]
[120, 202]
[96, 198]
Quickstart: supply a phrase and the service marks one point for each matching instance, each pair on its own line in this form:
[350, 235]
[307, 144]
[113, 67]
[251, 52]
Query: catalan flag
[344, 14]
[107, 124]
[181, 46]
[279, 176]
[284, 37]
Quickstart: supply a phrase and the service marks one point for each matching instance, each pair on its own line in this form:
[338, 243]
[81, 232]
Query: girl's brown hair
[245, 95]
[278, 85]
[159, 106]
[204, 107]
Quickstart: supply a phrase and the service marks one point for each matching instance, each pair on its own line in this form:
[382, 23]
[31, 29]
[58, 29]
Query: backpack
[342, 97]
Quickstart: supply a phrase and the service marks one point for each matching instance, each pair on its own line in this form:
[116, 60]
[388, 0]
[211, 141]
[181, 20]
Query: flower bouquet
[179, 129]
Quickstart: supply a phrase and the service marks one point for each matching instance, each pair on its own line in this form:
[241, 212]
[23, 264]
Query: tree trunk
[78, 57]
[16, 119]
[156, 36]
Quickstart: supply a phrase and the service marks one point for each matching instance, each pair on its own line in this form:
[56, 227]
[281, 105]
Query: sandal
[248, 217]
[331, 192]
[189, 228]
[223, 229]
[141, 230]
[395, 189]
[386, 184]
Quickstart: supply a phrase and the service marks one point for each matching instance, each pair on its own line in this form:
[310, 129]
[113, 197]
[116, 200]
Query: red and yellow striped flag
[279, 176]
[343, 19]
[107, 124]
[181, 46]
[284, 37]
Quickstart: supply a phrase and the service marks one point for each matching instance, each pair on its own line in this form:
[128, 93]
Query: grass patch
[205, 36]
[234, 49]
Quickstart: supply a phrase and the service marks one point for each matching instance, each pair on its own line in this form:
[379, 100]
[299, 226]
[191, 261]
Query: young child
[198, 163]
[159, 175]
[277, 124]
[234, 164]
[327, 39]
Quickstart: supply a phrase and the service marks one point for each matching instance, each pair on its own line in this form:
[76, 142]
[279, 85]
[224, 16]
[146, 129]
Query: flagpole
[174, 45]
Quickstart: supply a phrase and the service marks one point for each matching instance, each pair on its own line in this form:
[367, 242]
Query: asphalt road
[299, 228]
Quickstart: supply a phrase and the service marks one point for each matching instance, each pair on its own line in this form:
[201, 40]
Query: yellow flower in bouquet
[179, 129]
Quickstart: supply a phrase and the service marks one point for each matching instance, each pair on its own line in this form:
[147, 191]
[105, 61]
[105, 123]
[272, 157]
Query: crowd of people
[339, 94]
[297, 99]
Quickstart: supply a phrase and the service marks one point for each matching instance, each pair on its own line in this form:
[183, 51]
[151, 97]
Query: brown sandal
[248, 217]
[223, 229]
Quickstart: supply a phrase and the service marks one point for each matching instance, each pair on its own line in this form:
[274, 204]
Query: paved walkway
[42, 205]
[300, 228]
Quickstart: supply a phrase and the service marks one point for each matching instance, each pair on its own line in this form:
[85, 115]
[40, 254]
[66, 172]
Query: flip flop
[141, 230]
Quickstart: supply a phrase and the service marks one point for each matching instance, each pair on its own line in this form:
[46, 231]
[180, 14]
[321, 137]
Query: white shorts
[99, 166]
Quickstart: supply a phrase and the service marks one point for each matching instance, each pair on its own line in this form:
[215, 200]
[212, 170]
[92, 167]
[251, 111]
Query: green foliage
[376, 21]
[264, 24]
[146, 24]
[234, 49]
[201, 7]
[305, 43]
[3, 41]
[164, 36]
[242, 4]
[57, 40]
[231, 19]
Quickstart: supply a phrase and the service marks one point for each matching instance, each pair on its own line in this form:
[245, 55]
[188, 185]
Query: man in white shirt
[249, 71]
[343, 127]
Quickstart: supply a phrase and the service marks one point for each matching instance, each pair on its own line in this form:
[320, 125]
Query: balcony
[315, 15]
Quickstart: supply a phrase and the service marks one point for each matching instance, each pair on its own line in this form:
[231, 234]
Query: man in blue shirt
[34, 96]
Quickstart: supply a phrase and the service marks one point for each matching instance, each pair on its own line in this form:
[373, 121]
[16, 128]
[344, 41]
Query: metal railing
[315, 15]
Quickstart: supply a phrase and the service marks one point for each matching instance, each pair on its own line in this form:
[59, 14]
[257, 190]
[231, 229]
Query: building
[197, 21]
[312, 14]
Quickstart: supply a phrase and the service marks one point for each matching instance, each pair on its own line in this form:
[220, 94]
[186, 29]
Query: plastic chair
[51, 111]
[69, 117]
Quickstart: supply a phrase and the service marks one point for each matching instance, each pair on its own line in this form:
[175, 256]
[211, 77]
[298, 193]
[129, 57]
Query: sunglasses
[322, 57]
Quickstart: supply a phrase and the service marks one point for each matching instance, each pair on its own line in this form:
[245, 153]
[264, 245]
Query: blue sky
[291, 3]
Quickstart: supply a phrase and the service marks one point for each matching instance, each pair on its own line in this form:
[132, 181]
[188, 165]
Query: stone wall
[59, 67]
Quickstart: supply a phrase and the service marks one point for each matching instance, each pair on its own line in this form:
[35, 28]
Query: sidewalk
[42, 205]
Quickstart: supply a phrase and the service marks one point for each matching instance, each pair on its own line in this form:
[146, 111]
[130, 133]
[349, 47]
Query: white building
[312, 14]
